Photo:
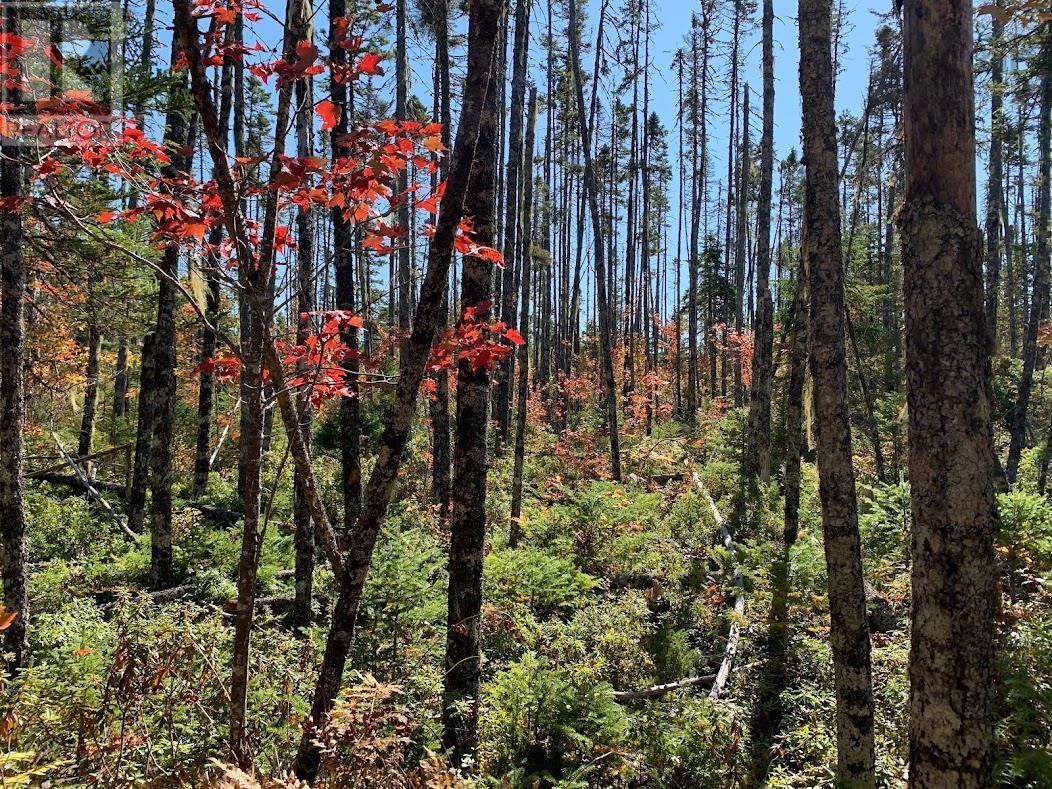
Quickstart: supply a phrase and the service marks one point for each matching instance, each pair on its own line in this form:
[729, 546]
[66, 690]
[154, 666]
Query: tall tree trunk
[120, 380]
[344, 273]
[177, 136]
[995, 182]
[405, 281]
[515, 531]
[758, 450]
[795, 441]
[12, 392]
[91, 389]
[598, 250]
[948, 391]
[741, 235]
[438, 405]
[467, 525]
[514, 187]
[143, 437]
[209, 340]
[484, 22]
[1039, 294]
[305, 306]
[849, 633]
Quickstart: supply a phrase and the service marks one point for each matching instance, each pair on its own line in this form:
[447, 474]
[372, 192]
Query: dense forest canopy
[540, 393]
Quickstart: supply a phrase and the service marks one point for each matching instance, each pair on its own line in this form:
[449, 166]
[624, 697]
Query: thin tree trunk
[120, 381]
[740, 241]
[795, 441]
[467, 523]
[849, 633]
[91, 389]
[209, 341]
[404, 253]
[758, 450]
[995, 182]
[515, 530]
[305, 306]
[143, 438]
[591, 189]
[441, 489]
[344, 274]
[948, 391]
[1039, 294]
[177, 136]
[13, 553]
[514, 187]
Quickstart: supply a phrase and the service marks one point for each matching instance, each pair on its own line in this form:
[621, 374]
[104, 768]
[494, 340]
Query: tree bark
[795, 441]
[91, 389]
[849, 633]
[209, 340]
[344, 272]
[995, 181]
[13, 553]
[948, 391]
[467, 526]
[502, 394]
[599, 250]
[120, 381]
[304, 527]
[515, 530]
[441, 488]
[164, 360]
[758, 448]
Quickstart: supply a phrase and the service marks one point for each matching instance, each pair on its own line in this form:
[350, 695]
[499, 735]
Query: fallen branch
[724, 673]
[98, 497]
[654, 691]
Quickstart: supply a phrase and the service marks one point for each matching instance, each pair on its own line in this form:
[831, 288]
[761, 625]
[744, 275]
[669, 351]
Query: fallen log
[654, 691]
[729, 654]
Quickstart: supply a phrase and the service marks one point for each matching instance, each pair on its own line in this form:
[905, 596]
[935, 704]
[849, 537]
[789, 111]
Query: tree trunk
[1039, 296]
[484, 22]
[467, 527]
[209, 340]
[143, 437]
[164, 360]
[948, 391]
[849, 634]
[591, 189]
[91, 389]
[514, 186]
[741, 234]
[12, 394]
[438, 405]
[795, 441]
[304, 527]
[405, 282]
[758, 449]
[515, 530]
[344, 269]
[120, 381]
[995, 182]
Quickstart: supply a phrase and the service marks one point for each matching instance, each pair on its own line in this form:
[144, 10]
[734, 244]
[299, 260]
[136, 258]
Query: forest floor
[618, 587]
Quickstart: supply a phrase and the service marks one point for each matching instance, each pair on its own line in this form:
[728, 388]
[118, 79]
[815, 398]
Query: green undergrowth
[615, 587]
